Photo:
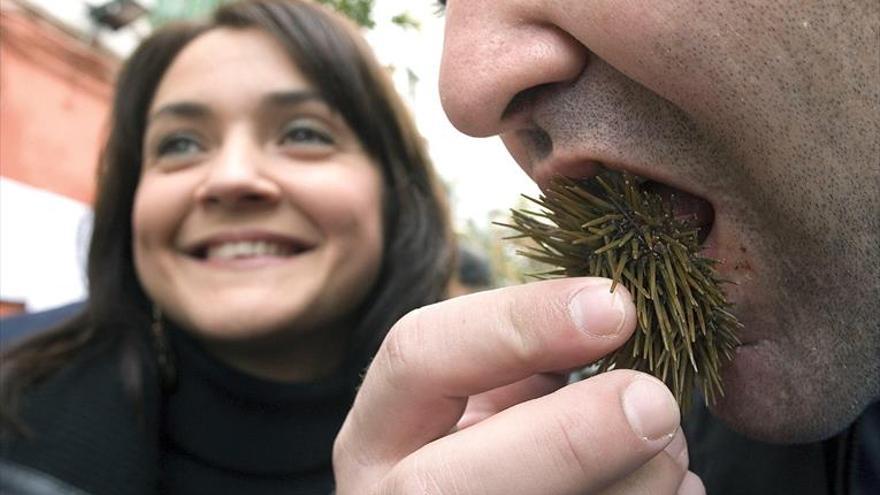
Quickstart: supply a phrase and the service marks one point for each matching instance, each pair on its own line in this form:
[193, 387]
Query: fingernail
[597, 311]
[650, 409]
[677, 449]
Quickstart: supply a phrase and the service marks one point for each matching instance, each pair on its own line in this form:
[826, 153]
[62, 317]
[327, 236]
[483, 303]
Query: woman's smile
[248, 249]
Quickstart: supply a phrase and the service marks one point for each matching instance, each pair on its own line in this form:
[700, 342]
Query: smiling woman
[266, 212]
[254, 186]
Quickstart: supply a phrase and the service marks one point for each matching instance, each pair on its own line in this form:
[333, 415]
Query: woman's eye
[300, 134]
[178, 145]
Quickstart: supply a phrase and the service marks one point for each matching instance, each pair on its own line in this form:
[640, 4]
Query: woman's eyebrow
[181, 109]
[291, 98]
[193, 110]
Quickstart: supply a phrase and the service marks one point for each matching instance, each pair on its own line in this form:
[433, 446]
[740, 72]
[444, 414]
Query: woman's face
[258, 213]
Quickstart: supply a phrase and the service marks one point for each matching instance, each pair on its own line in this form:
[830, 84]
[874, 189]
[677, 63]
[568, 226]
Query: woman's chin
[239, 327]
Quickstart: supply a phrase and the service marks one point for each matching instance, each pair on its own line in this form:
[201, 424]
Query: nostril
[537, 143]
[253, 197]
[486, 86]
[524, 100]
[236, 197]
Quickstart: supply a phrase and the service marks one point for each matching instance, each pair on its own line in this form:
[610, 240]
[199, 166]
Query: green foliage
[360, 11]
[164, 11]
[406, 21]
[609, 227]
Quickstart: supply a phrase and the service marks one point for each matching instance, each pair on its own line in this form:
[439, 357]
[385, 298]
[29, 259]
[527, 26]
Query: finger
[434, 358]
[691, 485]
[482, 406]
[663, 474]
[580, 439]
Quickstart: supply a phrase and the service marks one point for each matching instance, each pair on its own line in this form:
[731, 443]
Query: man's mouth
[654, 238]
[693, 210]
[696, 211]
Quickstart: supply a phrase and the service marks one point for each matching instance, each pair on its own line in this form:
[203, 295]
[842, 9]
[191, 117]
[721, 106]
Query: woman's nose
[237, 176]
[494, 51]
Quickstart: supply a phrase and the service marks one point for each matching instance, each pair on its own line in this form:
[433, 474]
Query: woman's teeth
[246, 249]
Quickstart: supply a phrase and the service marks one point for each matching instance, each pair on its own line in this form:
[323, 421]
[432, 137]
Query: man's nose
[238, 176]
[494, 51]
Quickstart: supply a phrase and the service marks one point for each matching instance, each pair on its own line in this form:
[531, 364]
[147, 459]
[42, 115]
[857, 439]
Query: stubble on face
[798, 122]
[800, 216]
[769, 110]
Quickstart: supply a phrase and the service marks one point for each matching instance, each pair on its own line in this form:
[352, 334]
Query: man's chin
[773, 427]
[763, 403]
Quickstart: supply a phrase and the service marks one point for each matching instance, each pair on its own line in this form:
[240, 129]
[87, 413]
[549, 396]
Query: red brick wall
[55, 93]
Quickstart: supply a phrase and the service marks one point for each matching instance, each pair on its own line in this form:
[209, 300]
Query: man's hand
[464, 397]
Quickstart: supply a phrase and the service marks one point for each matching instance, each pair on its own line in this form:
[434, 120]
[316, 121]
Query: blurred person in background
[266, 211]
[473, 272]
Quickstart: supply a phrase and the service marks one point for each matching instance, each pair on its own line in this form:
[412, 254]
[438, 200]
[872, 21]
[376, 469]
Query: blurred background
[58, 60]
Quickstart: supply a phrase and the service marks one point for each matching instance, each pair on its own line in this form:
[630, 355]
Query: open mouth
[244, 249]
[693, 210]
[686, 207]
[654, 238]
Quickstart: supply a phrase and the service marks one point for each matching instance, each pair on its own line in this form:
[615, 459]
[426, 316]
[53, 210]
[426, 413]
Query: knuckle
[418, 476]
[398, 354]
[659, 475]
[356, 465]
[525, 340]
[569, 445]
[343, 449]
[425, 482]
[347, 458]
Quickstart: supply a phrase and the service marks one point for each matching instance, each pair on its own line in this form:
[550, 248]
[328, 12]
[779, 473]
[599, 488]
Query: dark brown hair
[333, 56]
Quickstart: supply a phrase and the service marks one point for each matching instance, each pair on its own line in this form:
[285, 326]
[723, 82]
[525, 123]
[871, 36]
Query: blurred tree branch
[164, 11]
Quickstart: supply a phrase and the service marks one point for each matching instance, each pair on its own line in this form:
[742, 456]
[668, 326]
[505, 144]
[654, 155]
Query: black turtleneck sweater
[224, 431]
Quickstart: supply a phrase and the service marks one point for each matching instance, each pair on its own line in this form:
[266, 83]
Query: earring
[164, 355]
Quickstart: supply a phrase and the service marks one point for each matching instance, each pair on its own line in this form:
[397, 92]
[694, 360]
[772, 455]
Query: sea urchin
[608, 226]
